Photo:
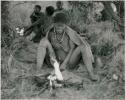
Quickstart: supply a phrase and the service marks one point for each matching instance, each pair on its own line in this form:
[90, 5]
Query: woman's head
[60, 18]
[59, 27]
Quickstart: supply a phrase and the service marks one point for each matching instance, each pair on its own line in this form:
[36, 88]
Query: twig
[44, 88]
[27, 76]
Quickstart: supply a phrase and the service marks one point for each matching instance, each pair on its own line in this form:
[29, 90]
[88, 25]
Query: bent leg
[87, 60]
[82, 51]
[43, 46]
[75, 58]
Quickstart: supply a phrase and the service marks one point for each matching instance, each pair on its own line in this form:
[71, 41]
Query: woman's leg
[75, 58]
[82, 51]
[43, 46]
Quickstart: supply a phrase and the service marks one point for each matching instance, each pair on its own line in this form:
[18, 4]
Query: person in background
[59, 5]
[36, 13]
[34, 33]
[60, 9]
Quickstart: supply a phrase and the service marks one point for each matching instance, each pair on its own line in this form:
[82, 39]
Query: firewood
[44, 88]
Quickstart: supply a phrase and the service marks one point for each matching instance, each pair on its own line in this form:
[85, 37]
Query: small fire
[57, 69]
[57, 75]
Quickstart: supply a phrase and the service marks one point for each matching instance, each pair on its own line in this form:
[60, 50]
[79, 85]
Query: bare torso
[60, 43]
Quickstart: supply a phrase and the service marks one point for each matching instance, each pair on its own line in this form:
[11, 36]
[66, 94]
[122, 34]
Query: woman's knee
[82, 48]
[44, 42]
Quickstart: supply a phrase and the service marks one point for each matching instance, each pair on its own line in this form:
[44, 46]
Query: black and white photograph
[62, 50]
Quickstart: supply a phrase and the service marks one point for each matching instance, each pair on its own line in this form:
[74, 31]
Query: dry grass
[105, 44]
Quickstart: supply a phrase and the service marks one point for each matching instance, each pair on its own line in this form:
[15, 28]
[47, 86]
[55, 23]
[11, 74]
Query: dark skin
[36, 19]
[35, 31]
[35, 15]
[39, 21]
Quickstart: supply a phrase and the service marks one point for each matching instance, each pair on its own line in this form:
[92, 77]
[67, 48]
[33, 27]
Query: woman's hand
[63, 66]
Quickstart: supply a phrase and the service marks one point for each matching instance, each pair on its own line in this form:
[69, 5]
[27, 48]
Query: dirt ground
[89, 89]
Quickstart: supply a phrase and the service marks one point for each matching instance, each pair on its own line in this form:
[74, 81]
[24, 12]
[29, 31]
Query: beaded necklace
[60, 39]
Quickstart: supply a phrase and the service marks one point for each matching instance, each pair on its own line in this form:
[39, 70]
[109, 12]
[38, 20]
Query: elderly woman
[64, 44]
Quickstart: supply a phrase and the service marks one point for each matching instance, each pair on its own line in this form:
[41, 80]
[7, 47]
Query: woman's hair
[38, 6]
[50, 10]
[60, 18]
